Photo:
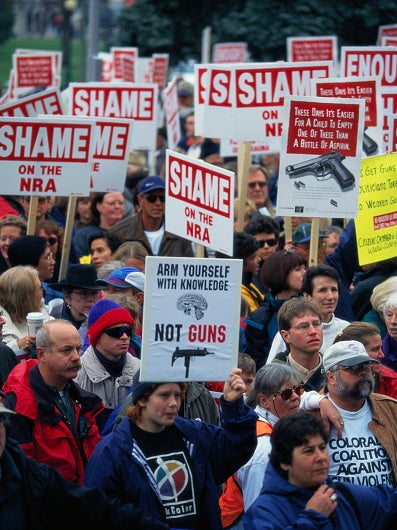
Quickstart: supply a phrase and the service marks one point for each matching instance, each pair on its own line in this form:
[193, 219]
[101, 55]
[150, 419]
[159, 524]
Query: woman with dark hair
[107, 210]
[282, 274]
[172, 466]
[296, 493]
[102, 247]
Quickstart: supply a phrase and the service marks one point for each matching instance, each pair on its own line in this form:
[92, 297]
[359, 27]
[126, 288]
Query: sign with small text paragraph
[191, 326]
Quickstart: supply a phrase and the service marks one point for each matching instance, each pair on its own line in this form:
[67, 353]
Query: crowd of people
[80, 431]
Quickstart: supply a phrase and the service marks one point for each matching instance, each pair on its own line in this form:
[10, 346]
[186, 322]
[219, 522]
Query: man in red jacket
[56, 422]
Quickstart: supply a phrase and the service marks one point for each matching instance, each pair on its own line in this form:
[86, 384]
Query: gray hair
[43, 335]
[391, 301]
[270, 378]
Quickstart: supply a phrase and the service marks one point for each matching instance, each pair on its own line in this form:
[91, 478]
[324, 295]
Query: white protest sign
[122, 100]
[320, 157]
[200, 202]
[145, 70]
[35, 69]
[117, 53]
[191, 319]
[389, 30]
[160, 69]
[49, 156]
[47, 102]
[389, 97]
[172, 114]
[229, 52]
[367, 88]
[111, 152]
[300, 49]
[244, 102]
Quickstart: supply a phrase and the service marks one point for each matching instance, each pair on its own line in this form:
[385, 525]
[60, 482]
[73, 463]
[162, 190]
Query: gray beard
[360, 390]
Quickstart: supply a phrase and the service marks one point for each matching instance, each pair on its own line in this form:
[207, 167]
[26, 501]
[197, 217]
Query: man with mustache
[56, 419]
[366, 453]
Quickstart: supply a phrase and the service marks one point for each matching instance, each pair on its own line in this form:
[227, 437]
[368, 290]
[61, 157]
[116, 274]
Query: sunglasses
[287, 392]
[118, 332]
[357, 369]
[269, 242]
[152, 197]
[261, 184]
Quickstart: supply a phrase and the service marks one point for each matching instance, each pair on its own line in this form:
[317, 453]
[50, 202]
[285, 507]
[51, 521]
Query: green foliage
[176, 26]
[6, 21]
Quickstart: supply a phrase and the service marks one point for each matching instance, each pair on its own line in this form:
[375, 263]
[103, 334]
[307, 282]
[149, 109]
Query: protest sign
[46, 102]
[172, 114]
[389, 30]
[123, 100]
[229, 52]
[35, 68]
[244, 102]
[49, 156]
[367, 88]
[191, 325]
[376, 221]
[320, 157]
[301, 49]
[160, 69]
[111, 151]
[117, 52]
[199, 199]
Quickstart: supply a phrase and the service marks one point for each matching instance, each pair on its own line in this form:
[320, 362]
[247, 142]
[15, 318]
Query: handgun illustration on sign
[188, 355]
[324, 167]
[370, 147]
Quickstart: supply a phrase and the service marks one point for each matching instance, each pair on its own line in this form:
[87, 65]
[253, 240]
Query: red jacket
[41, 428]
[387, 381]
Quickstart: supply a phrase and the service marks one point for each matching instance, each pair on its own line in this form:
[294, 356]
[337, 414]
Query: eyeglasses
[358, 368]
[317, 324]
[287, 392]
[289, 251]
[5, 420]
[118, 332]
[11, 239]
[152, 197]
[269, 242]
[49, 257]
[86, 293]
[259, 183]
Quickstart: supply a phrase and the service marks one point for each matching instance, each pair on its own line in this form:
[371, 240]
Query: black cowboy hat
[81, 276]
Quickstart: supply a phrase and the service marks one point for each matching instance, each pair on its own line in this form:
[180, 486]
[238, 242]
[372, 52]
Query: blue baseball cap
[151, 183]
[117, 278]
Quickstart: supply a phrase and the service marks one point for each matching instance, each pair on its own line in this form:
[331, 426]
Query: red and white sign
[389, 41]
[145, 70]
[47, 102]
[107, 69]
[301, 49]
[392, 145]
[389, 98]
[46, 156]
[370, 61]
[117, 53]
[110, 156]
[124, 100]
[200, 202]
[320, 157]
[160, 69]
[35, 69]
[171, 108]
[229, 52]
[386, 31]
[245, 102]
[367, 88]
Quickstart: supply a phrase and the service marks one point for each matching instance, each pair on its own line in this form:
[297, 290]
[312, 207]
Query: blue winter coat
[281, 506]
[120, 468]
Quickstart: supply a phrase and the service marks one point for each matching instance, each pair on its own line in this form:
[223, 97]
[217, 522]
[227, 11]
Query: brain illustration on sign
[192, 301]
[171, 478]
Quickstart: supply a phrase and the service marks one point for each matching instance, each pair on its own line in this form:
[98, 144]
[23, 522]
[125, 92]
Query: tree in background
[6, 21]
[176, 26]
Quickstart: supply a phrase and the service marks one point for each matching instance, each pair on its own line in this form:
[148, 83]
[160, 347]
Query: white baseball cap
[346, 352]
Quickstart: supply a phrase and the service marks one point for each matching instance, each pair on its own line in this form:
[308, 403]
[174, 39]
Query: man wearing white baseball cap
[367, 452]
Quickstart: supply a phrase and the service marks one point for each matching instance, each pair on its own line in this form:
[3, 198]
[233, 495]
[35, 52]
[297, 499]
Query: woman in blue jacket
[295, 493]
[172, 466]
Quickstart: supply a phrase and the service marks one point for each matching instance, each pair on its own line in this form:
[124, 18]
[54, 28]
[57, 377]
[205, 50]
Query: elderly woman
[389, 343]
[277, 392]
[296, 493]
[20, 293]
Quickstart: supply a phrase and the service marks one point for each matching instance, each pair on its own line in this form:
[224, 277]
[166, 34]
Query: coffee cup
[35, 320]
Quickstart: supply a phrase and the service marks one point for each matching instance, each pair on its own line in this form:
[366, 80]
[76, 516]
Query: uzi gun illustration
[189, 355]
[322, 167]
[370, 147]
